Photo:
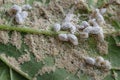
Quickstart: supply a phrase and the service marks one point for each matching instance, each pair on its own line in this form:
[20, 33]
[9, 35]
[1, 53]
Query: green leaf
[59, 74]
[7, 73]
[28, 70]
[114, 51]
[116, 24]
[90, 3]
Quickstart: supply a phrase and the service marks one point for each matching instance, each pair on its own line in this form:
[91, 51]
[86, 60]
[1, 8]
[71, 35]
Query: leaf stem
[114, 75]
[115, 68]
[11, 75]
[30, 30]
[43, 32]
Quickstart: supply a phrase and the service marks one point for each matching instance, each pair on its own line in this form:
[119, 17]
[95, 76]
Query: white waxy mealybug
[19, 19]
[81, 27]
[99, 18]
[16, 9]
[73, 39]
[26, 7]
[73, 29]
[84, 24]
[63, 37]
[90, 60]
[106, 65]
[103, 10]
[24, 14]
[84, 35]
[56, 27]
[101, 36]
[93, 22]
[87, 29]
[66, 25]
[99, 60]
[95, 30]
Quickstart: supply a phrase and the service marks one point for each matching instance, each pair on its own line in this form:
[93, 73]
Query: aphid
[19, 19]
[73, 39]
[16, 9]
[26, 7]
[68, 17]
[106, 65]
[84, 35]
[63, 37]
[56, 27]
[24, 14]
[90, 60]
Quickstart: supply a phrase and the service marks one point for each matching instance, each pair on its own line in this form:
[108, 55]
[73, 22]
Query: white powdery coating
[73, 39]
[56, 27]
[19, 19]
[26, 7]
[63, 37]
[24, 14]
[90, 60]
[68, 17]
[16, 8]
